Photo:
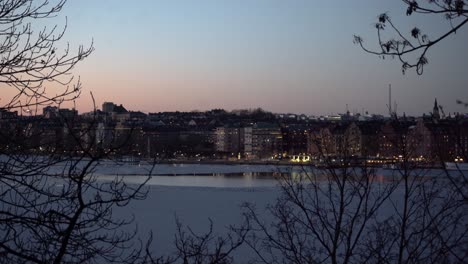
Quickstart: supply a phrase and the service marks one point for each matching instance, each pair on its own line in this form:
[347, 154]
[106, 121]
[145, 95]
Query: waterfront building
[266, 140]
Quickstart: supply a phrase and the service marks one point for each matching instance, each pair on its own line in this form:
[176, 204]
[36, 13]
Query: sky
[294, 56]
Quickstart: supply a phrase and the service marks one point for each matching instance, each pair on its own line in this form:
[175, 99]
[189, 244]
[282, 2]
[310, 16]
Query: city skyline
[347, 111]
[295, 57]
[214, 131]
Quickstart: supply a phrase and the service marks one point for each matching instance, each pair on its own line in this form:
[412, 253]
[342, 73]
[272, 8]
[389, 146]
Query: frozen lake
[184, 175]
[218, 176]
[194, 207]
[194, 194]
[197, 193]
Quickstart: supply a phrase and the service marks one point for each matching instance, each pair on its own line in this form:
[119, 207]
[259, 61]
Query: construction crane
[441, 108]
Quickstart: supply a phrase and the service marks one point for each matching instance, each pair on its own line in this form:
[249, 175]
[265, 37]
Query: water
[228, 176]
[197, 175]
[246, 180]
[195, 193]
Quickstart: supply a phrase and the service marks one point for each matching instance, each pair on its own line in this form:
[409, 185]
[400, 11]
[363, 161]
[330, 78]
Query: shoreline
[269, 163]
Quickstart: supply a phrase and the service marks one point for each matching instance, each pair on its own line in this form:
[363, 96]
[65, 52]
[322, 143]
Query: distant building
[320, 141]
[370, 133]
[5, 114]
[108, 107]
[67, 114]
[266, 140]
[234, 141]
[111, 108]
[121, 115]
[435, 141]
[347, 139]
[393, 138]
[50, 112]
[246, 140]
[390, 141]
[129, 117]
[294, 139]
[228, 140]
[461, 148]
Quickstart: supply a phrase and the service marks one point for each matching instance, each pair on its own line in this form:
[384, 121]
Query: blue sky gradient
[284, 56]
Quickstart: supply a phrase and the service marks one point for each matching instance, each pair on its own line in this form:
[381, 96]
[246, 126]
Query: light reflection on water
[255, 179]
[217, 180]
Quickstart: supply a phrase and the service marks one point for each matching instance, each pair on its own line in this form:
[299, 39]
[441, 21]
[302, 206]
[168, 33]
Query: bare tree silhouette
[53, 209]
[411, 48]
[199, 248]
[428, 213]
[31, 58]
[351, 213]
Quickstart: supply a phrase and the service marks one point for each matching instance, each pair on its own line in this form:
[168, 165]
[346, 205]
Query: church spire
[435, 110]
